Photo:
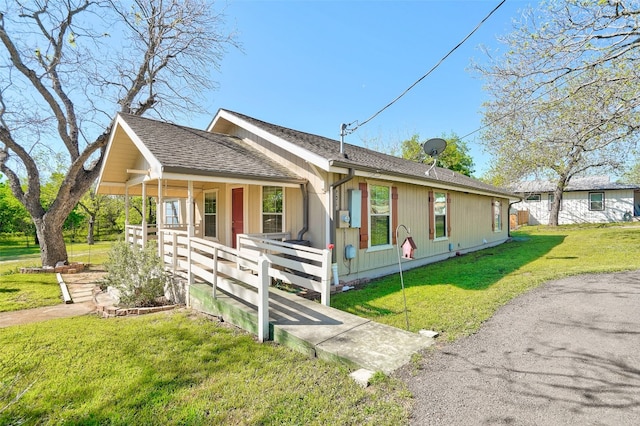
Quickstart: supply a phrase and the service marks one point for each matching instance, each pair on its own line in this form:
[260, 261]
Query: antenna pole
[343, 130]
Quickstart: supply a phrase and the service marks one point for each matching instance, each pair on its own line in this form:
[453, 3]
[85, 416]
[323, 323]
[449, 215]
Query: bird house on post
[408, 247]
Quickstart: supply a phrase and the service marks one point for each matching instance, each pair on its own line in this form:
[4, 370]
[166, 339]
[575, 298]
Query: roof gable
[180, 149]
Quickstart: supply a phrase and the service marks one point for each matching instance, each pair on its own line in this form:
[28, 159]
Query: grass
[24, 291]
[456, 296]
[183, 368]
[177, 368]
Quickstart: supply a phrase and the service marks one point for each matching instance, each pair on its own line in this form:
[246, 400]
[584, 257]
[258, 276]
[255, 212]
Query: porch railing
[245, 272]
[292, 263]
[137, 235]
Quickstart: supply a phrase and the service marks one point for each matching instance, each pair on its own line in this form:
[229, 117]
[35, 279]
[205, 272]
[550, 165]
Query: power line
[347, 128]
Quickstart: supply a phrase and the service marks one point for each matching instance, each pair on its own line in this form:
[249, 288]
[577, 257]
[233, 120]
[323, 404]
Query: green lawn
[177, 368]
[456, 296]
[24, 291]
[183, 368]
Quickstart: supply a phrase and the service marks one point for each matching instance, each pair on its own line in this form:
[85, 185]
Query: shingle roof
[588, 183]
[182, 149]
[363, 158]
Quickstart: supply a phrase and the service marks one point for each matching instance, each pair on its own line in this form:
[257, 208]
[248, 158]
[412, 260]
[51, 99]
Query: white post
[326, 278]
[160, 221]
[174, 252]
[144, 215]
[215, 272]
[263, 299]
[189, 229]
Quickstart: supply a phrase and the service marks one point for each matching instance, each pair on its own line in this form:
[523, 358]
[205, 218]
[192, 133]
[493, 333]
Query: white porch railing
[135, 235]
[246, 272]
[295, 264]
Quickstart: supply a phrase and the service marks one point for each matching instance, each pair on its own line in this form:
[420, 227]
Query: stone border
[72, 268]
[113, 311]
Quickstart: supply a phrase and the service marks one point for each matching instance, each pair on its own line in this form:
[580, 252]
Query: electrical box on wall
[349, 252]
[343, 219]
[355, 206]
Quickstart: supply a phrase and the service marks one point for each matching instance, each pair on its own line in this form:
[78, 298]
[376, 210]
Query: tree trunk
[554, 212]
[52, 245]
[90, 240]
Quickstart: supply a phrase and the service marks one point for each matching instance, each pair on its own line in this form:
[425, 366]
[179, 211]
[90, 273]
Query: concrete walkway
[319, 331]
[337, 334]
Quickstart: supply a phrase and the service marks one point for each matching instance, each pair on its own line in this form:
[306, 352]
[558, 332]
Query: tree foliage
[564, 96]
[68, 67]
[455, 156]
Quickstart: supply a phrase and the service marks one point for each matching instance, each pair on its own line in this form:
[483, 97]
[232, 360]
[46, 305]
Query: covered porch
[227, 215]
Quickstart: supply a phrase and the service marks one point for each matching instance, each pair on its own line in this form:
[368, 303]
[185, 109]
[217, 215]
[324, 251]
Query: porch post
[160, 221]
[263, 299]
[144, 215]
[126, 213]
[190, 224]
[189, 237]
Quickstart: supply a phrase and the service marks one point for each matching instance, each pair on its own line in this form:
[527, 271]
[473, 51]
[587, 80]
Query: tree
[455, 156]
[632, 175]
[67, 67]
[13, 216]
[563, 97]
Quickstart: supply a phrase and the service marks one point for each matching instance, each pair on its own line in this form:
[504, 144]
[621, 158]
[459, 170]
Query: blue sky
[313, 65]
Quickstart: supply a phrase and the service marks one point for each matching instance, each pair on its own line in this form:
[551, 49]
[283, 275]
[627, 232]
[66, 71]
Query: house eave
[372, 173]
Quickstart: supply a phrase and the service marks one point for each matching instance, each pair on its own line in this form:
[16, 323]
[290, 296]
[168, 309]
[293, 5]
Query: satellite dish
[434, 147]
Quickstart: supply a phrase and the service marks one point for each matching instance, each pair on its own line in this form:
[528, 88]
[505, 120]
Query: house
[593, 199]
[245, 177]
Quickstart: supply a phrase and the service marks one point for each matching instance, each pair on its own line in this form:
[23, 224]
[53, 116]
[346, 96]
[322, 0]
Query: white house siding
[575, 207]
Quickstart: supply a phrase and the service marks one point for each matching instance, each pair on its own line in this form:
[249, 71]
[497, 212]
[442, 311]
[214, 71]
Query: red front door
[237, 214]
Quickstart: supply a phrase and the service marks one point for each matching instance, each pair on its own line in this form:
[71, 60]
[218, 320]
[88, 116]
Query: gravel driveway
[567, 353]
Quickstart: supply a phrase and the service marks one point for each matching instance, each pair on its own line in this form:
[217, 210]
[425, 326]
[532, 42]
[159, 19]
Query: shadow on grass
[474, 271]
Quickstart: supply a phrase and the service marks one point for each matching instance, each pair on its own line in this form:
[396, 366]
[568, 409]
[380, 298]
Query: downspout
[305, 210]
[332, 210]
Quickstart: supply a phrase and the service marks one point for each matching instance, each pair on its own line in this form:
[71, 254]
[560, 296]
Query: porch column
[127, 236]
[189, 237]
[144, 215]
[160, 221]
[126, 205]
[190, 218]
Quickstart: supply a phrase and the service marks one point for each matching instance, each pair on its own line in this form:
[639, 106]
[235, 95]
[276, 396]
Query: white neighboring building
[593, 199]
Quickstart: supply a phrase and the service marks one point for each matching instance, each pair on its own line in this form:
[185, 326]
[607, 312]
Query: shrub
[137, 274]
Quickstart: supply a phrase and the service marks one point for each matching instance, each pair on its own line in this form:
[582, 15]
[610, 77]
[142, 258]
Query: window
[380, 214]
[533, 198]
[272, 209]
[440, 214]
[596, 201]
[497, 216]
[211, 214]
[172, 212]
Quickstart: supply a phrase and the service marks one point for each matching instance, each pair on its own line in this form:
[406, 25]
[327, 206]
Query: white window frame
[166, 203]
[263, 213]
[387, 244]
[435, 217]
[533, 198]
[591, 201]
[205, 214]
